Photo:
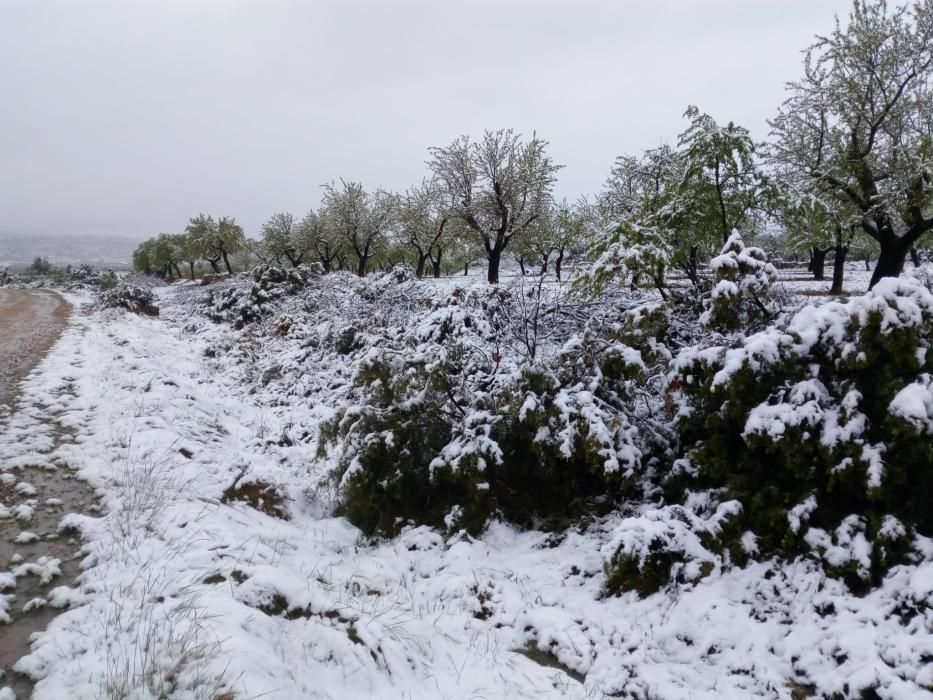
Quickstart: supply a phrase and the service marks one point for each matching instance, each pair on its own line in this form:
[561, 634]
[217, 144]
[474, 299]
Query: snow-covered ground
[800, 281]
[186, 593]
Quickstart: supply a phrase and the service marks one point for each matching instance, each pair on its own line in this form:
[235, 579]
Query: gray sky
[126, 117]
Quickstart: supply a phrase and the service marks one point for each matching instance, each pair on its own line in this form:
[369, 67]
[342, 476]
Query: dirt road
[31, 500]
[30, 321]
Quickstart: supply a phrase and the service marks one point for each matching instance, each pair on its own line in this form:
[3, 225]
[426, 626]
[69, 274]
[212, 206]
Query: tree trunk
[227, 263]
[177, 271]
[492, 273]
[214, 266]
[914, 256]
[466, 269]
[544, 263]
[521, 265]
[839, 268]
[890, 260]
[191, 270]
[436, 265]
[818, 262]
[361, 266]
[693, 262]
[558, 261]
[422, 261]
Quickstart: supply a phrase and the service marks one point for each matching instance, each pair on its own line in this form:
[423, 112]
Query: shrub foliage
[822, 429]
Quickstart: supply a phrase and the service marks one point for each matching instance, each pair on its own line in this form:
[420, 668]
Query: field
[212, 565]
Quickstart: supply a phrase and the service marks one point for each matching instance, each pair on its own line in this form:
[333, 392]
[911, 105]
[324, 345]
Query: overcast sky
[127, 117]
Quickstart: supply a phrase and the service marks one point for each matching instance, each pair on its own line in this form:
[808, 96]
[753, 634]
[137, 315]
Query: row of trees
[353, 227]
[425, 224]
[204, 240]
[853, 142]
[849, 165]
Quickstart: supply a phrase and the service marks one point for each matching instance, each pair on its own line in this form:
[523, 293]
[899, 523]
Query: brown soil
[30, 323]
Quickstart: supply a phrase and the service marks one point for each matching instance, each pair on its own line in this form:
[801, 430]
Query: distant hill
[19, 249]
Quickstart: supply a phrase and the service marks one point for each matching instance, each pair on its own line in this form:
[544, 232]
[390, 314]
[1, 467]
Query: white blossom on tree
[500, 185]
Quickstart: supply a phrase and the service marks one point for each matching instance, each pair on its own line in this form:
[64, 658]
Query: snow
[185, 595]
[897, 303]
[914, 403]
[801, 512]
[25, 537]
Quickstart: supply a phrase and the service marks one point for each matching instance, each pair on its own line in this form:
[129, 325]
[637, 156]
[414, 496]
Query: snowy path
[30, 321]
[33, 492]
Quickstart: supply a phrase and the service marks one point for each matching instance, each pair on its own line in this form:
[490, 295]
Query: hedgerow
[546, 409]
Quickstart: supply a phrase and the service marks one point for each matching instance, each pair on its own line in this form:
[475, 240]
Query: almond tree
[160, 255]
[188, 252]
[858, 127]
[202, 229]
[281, 238]
[821, 225]
[167, 254]
[142, 257]
[230, 239]
[723, 186]
[500, 185]
[216, 240]
[425, 215]
[360, 219]
[645, 201]
[322, 239]
[645, 183]
[562, 227]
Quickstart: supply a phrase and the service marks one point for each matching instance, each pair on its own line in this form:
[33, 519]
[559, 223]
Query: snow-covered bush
[107, 280]
[668, 545]
[822, 428]
[452, 425]
[924, 273]
[629, 250]
[129, 297]
[84, 274]
[742, 281]
[279, 281]
[241, 305]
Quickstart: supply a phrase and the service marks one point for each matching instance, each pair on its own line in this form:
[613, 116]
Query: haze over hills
[98, 250]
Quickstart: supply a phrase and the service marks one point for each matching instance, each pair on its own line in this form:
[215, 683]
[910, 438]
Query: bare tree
[859, 125]
[500, 185]
[361, 219]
